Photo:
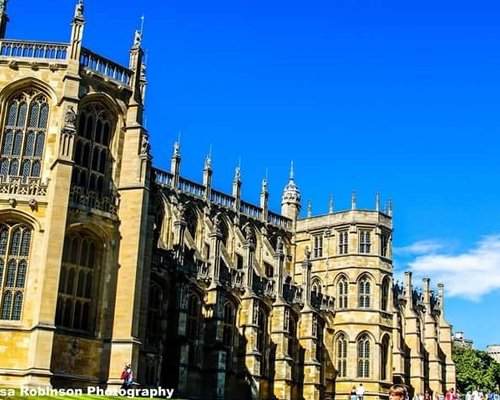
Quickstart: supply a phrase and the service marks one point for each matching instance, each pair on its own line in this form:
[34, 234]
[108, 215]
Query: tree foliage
[475, 370]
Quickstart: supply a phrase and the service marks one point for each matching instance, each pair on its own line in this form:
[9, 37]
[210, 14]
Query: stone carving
[70, 118]
[137, 38]
[279, 244]
[145, 146]
[249, 235]
[307, 253]
[79, 9]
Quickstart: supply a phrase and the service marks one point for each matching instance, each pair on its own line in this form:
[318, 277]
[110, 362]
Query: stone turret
[290, 202]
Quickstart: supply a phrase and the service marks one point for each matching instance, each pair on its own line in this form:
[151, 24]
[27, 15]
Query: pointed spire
[290, 200]
[377, 202]
[330, 204]
[309, 209]
[353, 200]
[389, 211]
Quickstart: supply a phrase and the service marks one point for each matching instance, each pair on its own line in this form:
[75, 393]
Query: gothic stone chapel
[105, 259]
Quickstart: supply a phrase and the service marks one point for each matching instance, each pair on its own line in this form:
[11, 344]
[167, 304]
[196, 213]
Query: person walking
[127, 377]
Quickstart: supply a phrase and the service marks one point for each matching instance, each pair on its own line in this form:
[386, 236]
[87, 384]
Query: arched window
[342, 356]
[316, 286]
[78, 281]
[24, 135]
[15, 243]
[384, 358]
[342, 292]
[364, 290]
[193, 326]
[384, 301]
[364, 357]
[92, 156]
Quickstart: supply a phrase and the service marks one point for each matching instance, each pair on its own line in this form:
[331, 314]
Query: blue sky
[382, 96]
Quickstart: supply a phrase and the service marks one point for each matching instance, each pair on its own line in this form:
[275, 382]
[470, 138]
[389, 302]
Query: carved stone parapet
[17, 185]
[93, 200]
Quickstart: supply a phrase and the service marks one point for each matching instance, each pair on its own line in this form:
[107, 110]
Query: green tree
[475, 370]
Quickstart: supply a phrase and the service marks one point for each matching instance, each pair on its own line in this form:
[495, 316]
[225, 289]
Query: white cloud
[421, 247]
[471, 274]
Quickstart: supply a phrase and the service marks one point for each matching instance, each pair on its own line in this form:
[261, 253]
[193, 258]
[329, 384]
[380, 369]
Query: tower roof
[291, 193]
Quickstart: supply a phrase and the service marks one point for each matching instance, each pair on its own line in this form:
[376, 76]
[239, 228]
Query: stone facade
[106, 260]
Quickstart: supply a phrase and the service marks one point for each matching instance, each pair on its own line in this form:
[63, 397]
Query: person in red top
[450, 395]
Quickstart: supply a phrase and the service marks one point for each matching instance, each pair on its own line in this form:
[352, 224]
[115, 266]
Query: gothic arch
[340, 351]
[21, 216]
[27, 83]
[108, 102]
[385, 356]
[365, 332]
[96, 231]
[385, 293]
[316, 284]
[365, 287]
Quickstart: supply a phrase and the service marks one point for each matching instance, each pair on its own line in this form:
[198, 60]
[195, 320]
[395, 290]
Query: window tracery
[24, 135]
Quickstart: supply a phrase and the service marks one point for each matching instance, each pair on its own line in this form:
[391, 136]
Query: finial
[177, 149]
[78, 8]
[264, 185]
[3, 6]
[137, 38]
[208, 161]
[142, 24]
[377, 202]
[353, 200]
[389, 211]
[292, 175]
[309, 209]
[330, 204]
[237, 174]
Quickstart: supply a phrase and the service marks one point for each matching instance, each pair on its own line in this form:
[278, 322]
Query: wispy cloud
[417, 248]
[471, 274]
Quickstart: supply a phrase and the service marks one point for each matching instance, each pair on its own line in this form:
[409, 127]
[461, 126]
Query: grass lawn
[18, 396]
